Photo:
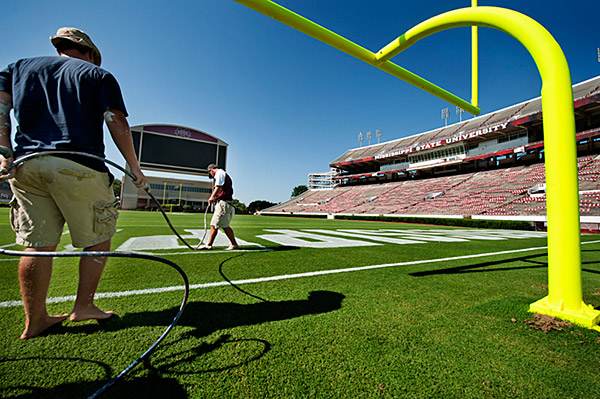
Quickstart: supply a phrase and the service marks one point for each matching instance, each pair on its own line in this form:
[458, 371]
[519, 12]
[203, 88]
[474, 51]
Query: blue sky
[287, 104]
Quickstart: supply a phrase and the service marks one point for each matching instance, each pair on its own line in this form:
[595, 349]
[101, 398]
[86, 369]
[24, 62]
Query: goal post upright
[474, 62]
[565, 297]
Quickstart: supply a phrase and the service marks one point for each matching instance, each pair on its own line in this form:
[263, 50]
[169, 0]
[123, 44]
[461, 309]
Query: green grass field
[411, 325]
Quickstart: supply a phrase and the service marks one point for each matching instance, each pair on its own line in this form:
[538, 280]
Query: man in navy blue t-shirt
[61, 103]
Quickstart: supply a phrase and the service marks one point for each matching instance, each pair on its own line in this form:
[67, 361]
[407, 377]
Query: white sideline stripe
[8, 304]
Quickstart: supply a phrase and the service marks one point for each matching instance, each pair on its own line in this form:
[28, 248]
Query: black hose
[7, 153]
[205, 229]
[119, 255]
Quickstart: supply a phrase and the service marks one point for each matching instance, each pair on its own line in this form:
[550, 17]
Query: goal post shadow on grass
[565, 296]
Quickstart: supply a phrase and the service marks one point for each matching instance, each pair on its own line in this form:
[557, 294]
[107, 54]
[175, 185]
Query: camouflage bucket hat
[77, 36]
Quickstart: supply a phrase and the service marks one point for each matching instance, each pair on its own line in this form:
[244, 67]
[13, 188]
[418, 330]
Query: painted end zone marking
[7, 304]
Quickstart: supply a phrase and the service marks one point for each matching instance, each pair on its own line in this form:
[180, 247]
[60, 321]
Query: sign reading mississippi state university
[450, 140]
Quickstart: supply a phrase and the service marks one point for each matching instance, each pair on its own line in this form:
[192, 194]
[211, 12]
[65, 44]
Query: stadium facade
[174, 151]
[490, 166]
[171, 193]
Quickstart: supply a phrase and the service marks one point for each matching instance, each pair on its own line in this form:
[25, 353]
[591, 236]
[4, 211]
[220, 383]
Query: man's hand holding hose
[141, 181]
[5, 170]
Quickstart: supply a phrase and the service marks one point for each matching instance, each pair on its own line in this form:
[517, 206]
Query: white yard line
[7, 304]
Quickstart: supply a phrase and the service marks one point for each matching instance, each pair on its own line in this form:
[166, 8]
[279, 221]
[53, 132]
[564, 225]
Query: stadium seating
[499, 170]
[498, 192]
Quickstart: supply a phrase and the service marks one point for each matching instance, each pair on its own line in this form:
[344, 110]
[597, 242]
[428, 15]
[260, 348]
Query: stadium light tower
[378, 135]
[360, 138]
[445, 115]
[459, 112]
[369, 136]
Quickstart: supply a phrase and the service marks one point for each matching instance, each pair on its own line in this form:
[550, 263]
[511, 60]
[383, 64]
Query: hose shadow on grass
[226, 352]
[207, 357]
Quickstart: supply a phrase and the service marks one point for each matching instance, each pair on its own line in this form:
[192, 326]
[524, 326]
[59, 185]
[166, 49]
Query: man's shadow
[205, 318]
[209, 317]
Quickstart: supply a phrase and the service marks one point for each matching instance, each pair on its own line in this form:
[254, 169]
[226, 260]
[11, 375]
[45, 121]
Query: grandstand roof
[586, 97]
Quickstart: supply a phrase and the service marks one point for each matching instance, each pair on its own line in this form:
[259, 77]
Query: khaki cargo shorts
[224, 212]
[49, 191]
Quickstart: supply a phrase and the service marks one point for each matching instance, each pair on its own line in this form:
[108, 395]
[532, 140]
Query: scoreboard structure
[175, 150]
[172, 148]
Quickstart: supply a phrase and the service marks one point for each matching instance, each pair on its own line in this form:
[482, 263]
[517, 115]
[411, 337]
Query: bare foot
[89, 313]
[33, 329]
